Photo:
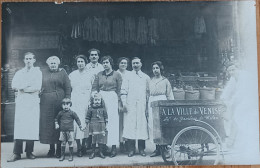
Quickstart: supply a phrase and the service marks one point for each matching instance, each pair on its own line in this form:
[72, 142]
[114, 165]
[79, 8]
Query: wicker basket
[192, 95]
[179, 94]
[207, 93]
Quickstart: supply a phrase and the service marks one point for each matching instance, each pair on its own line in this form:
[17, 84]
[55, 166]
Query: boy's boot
[79, 148]
[100, 150]
[92, 155]
[71, 154]
[62, 153]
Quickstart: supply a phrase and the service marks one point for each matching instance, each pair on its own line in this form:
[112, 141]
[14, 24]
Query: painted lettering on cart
[191, 113]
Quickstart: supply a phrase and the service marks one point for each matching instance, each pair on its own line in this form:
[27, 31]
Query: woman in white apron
[160, 89]
[123, 64]
[108, 84]
[81, 83]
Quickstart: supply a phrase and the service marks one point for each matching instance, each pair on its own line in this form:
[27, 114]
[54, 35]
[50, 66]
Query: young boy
[64, 121]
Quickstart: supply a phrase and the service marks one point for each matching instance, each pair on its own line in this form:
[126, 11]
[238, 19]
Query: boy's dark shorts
[67, 136]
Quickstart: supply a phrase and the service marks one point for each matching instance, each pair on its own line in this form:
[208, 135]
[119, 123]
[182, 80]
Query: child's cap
[66, 100]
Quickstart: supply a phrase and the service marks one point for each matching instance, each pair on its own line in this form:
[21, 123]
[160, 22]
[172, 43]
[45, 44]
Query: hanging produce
[118, 31]
[142, 31]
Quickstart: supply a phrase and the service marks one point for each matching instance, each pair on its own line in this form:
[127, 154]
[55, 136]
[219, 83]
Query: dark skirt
[98, 132]
[49, 108]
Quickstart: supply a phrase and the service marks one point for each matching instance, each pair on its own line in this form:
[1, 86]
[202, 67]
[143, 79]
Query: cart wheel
[166, 152]
[195, 146]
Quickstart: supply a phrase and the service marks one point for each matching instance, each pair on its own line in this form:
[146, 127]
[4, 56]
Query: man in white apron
[27, 82]
[135, 116]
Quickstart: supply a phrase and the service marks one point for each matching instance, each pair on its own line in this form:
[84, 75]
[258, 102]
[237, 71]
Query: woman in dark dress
[55, 87]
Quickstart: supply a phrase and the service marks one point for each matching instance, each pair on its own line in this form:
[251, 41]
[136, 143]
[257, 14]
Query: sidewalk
[40, 151]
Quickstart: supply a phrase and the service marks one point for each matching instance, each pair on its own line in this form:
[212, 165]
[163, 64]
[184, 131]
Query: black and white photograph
[129, 83]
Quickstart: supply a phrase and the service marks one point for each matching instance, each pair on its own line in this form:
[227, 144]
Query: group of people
[110, 107]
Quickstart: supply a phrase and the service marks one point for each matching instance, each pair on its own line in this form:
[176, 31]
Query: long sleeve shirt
[96, 115]
[108, 82]
[161, 87]
[66, 120]
[57, 81]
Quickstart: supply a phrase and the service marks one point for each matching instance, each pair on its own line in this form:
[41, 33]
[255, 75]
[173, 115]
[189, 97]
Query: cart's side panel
[156, 125]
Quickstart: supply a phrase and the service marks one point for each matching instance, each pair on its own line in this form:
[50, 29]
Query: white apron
[81, 84]
[111, 102]
[135, 122]
[150, 119]
[27, 107]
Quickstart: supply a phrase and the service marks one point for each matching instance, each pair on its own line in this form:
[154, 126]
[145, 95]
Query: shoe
[106, 151]
[92, 155]
[101, 151]
[62, 153]
[113, 151]
[50, 153]
[155, 153]
[142, 153]
[102, 155]
[29, 155]
[83, 151]
[58, 153]
[62, 157]
[131, 154]
[113, 154]
[71, 154]
[14, 157]
[79, 153]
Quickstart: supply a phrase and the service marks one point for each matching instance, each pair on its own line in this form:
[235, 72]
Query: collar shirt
[94, 68]
[138, 86]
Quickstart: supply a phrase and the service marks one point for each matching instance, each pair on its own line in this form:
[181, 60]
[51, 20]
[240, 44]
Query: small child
[96, 117]
[65, 121]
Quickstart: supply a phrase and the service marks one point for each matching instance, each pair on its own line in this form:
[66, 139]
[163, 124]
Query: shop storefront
[196, 41]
